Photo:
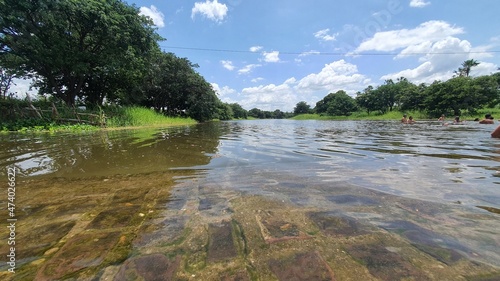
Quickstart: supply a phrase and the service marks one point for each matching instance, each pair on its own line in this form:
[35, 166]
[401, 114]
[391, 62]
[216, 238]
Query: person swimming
[457, 121]
[488, 119]
[496, 133]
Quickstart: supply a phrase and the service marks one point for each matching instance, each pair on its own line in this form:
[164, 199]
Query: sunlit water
[298, 162]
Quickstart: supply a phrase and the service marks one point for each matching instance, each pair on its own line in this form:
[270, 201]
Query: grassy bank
[140, 117]
[43, 116]
[396, 115]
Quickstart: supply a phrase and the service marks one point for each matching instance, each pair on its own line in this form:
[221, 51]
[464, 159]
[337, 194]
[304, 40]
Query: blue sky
[272, 54]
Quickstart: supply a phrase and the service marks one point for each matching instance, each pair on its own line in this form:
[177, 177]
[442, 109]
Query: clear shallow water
[425, 161]
[393, 176]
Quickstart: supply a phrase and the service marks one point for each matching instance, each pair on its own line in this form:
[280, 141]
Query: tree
[256, 113]
[73, 44]
[466, 67]
[407, 95]
[6, 78]
[367, 99]
[278, 114]
[301, 108]
[224, 111]
[461, 93]
[200, 98]
[172, 86]
[386, 94]
[238, 111]
[341, 104]
[322, 105]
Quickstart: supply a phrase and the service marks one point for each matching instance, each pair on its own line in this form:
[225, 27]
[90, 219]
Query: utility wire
[328, 53]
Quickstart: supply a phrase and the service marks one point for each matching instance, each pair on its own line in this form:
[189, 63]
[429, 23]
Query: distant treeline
[456, 96]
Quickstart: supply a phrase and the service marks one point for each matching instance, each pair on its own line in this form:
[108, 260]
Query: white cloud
[270, 97]
[154, 14]
[212, 10]
[418, 49]
[484, 68]
[324, 36]
[227, 64]
[224, 91]
[443, 57]
[255, 49]
[387, 41]
[271, 56]
[248, 68]
[258, 79]
[338, 75]
[419, 3]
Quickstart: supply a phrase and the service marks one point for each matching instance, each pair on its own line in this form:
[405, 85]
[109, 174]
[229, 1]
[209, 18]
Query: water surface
[436, 186]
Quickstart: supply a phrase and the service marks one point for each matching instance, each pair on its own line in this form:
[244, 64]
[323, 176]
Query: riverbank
[397, 115]
[112, 118]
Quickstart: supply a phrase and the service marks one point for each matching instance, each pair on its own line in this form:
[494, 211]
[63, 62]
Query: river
[435, 186]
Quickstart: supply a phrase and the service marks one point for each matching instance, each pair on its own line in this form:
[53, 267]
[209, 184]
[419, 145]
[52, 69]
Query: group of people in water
[488, 119]
[407, 120]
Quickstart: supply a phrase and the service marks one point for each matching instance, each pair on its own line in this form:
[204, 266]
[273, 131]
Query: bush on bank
[39, 115]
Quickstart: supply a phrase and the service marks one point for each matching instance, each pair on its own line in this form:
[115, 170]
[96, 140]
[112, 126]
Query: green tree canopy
[302, 108]
[460, 93]
[341, 104]
[369, 100]
[73, 45]
[238, 111]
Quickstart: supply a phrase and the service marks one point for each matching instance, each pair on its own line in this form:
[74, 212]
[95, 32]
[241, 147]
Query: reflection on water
[424, 161]
[106, 153]
[357, 174]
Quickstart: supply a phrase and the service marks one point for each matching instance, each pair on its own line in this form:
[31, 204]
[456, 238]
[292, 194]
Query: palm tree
[466, 67]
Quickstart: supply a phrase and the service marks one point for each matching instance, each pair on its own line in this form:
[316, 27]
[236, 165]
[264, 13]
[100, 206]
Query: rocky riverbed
[173, 226]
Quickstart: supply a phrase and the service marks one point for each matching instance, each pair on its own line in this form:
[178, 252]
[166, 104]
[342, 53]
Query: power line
[329, 53]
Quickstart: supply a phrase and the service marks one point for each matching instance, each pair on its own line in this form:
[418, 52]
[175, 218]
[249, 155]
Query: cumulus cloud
[419, 3]
[387, 41]
[271, 56]
[338, 75]
[248, 68]
[153, 13]
[270, 97]
[227, 64]
[440, 52]
[324, 36]
[442, 58]
[211, 10]
[223, 92]
[255, 49]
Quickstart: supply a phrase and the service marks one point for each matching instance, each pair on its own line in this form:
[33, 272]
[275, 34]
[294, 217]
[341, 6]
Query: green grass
[495, 112]
[396, 115]
[46, 127]
[139, 116]
[116, 117]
